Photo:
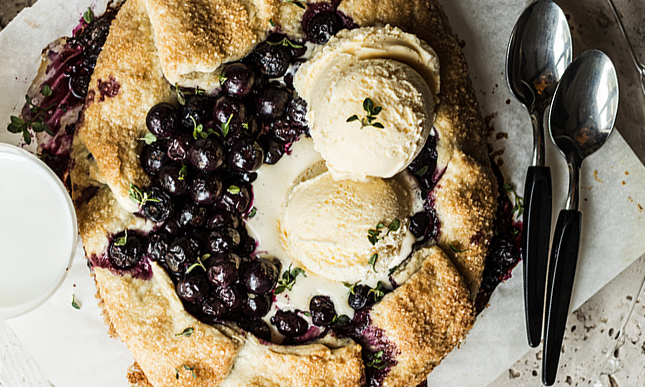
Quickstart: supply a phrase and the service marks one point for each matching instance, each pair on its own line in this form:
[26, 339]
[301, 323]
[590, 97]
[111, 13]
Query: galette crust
[112, 126]
[425, 318]
[194, 37]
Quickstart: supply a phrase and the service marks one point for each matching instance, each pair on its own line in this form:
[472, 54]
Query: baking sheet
[72, 346]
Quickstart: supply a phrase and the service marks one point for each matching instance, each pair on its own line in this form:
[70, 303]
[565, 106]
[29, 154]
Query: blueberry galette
[283, 193]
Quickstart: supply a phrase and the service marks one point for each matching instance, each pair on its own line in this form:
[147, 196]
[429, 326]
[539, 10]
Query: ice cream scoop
[345, 230]
[371, 95]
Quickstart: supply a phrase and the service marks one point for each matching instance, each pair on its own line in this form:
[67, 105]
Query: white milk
[37, 231]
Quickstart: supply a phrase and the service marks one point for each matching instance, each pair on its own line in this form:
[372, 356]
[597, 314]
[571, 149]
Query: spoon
[580, 120]
[539, 51]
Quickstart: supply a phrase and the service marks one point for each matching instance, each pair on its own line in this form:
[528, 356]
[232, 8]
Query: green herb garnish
[518, 208]
[181, 97]
[375, 360]
[392, 270]
[199, 263]
[226, 126]
[233, 189]
[456, 250]
[372, 111]
[222, 78]
[122, 240]
[183, 172]
[46, 91]
[252, 213]
[191, 369]
[140, 197]
[186, 332]
[36, 122]
[285, 42]
[288, 279]
[422, 171]
[374, 234]
[88, 16]
[199, 131]
[372, 261]
[378, 291]
[272, 22]
[75, 305]
[149, 138]
[350, 286]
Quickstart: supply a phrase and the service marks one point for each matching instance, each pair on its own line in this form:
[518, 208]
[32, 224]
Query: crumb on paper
[626, 173]
[640, 208]
[595, 176]
[624, 182]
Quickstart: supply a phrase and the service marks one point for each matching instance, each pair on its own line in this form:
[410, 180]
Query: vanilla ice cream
[325, 225]
[395, 70]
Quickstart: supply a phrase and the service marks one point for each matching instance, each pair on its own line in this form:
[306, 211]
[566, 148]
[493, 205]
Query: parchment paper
[72, 346]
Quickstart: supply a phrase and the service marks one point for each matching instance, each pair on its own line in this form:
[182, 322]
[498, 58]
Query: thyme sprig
[376, 361]
[374, 234]
[36, 121]
[369, 120]
[140, 197]
[285, 42]
[372, 261]
[288, 279]
[191, 369]
[121, 241]
[518, 208]
[295, 2]
[88, 16]
[199, 263]
[186, 332]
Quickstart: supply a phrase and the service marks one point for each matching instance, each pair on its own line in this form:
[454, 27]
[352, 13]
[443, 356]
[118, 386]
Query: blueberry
[197, 108]
[271, 102]
[171, 227]
[257, 305]
[179, 145]
[247, 246]
[240, 80]
[223, 240]
[223, 219]
[289, 323]
[227, 107]
[273, 150]
[173, 179]
[245, 156]
[232, 296]
[153, 157]
[297, 112]
[157, 246]
[191, 215]
[419, 224]
[359, 297]
[236, 198]
[181, 254]
[272, 60]
[223, 270]
[284, 131]
[125, 250]
[257, 327]
[205, 189]
[322, 310]
[260, 276]
[193, 287]
[206, 154]
[79, 83]
[323, 26]
[248, 177]
[162, 120]
[213, 307]
[160, 208]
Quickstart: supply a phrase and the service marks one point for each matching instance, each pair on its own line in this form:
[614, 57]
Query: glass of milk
[38, 232]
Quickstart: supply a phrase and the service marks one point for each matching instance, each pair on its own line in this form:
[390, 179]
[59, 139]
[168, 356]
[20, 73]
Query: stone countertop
[604, 344]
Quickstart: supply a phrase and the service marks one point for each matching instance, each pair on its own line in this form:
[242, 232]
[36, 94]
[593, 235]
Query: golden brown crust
[465, 203]
[111, 126]
[194, 37]
[313, 365]
[425, 318]
[147, 315]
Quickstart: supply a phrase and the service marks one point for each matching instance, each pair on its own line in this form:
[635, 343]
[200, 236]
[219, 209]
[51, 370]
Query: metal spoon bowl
[539, 51]
[581, 118]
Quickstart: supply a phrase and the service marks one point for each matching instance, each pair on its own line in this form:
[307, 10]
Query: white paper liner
[72, 346]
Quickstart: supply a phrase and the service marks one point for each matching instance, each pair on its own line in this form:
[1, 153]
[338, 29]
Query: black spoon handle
[562, 270]
[535, 246]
